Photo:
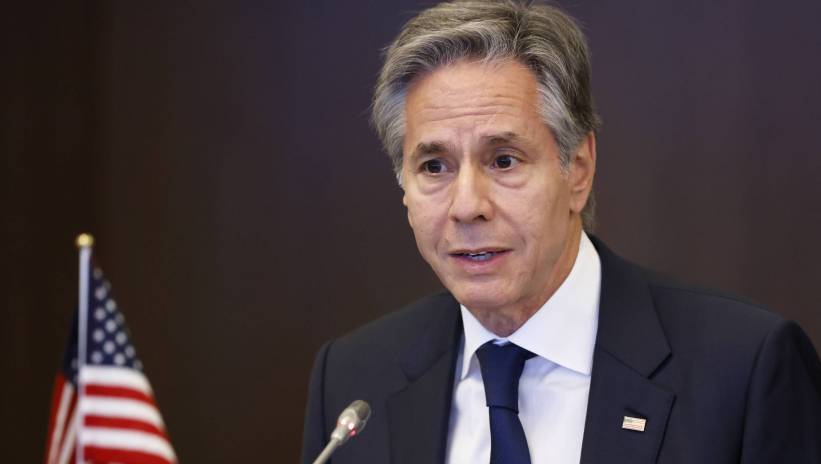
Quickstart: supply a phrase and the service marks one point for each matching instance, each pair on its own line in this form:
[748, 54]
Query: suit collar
[629, 328]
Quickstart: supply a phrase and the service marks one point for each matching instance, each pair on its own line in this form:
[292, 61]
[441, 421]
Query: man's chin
[481, 299]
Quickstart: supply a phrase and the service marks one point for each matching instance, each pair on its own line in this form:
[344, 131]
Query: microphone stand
[328, 451]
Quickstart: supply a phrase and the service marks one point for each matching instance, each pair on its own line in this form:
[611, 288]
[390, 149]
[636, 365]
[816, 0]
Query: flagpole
[84, 242]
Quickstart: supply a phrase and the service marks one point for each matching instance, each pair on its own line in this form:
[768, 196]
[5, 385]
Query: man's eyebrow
[438, 148]
[504, 137]
[431, 148]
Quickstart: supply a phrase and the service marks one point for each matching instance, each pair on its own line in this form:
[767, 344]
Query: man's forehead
[471, 89]
[470, 103]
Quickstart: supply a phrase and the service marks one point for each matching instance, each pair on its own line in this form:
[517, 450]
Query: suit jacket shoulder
[740, 372]
[399, 364]
[705, 321]
[381, 343]
[717, 378]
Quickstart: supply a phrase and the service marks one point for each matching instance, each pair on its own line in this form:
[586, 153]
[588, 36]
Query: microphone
[350, 423]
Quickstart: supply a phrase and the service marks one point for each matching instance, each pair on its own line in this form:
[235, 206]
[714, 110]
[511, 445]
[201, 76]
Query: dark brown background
[220, 153]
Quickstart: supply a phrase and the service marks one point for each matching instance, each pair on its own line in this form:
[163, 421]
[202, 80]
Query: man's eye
[433, 166]
[504, 162]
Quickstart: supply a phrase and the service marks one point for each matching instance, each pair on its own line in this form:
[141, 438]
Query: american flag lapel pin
[634, 423]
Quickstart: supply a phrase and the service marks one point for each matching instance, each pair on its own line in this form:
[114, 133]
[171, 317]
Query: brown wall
[220, 153]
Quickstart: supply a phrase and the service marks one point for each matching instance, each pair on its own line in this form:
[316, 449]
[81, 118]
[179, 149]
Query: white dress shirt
[555, 383]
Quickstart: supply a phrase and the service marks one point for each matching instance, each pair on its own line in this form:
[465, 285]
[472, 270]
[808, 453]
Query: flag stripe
[118, 392]
[122, 408]
[119, 423]
[53, 430]
[61, 401]
[67, 445]
[127, 440]
[124, 456]
[69, 425]
[115, 376]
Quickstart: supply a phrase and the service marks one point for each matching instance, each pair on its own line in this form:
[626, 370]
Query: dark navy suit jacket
[717, 379]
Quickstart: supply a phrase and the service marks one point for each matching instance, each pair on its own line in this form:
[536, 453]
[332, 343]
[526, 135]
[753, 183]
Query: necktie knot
[502, 367]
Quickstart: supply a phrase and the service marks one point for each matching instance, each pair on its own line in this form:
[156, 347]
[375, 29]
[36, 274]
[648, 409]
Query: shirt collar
[563, 330]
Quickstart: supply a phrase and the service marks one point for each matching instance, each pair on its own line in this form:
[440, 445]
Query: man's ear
[582, 171]
[407, 210]
[405, 202]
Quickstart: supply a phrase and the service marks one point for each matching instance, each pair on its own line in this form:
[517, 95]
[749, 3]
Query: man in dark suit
[547, 347]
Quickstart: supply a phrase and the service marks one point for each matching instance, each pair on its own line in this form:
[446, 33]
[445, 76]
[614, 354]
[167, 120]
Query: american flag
[116, 419]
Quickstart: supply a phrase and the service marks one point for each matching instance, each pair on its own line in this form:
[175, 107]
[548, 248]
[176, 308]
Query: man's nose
[470, 201]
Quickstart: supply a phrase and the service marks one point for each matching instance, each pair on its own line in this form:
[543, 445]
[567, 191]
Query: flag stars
[98, 274]
[110, 339]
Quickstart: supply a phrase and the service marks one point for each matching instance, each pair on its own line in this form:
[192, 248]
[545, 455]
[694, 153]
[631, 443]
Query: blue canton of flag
[108, 337]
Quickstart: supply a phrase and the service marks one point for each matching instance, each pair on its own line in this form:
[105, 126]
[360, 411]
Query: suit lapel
[630, 347]
[616, 392]
[419, 412]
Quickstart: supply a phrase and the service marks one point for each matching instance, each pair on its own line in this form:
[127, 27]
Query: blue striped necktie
[501, 368]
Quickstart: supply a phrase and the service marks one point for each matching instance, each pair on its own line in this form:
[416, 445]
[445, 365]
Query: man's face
[492, 212]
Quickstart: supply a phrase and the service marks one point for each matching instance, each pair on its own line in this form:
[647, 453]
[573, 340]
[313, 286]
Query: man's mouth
[483, 256]
[478, 256]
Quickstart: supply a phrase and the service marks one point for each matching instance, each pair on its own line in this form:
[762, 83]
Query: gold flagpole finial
[84, 241]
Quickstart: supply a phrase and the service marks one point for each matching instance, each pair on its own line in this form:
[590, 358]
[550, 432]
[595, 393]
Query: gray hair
[541, 37]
